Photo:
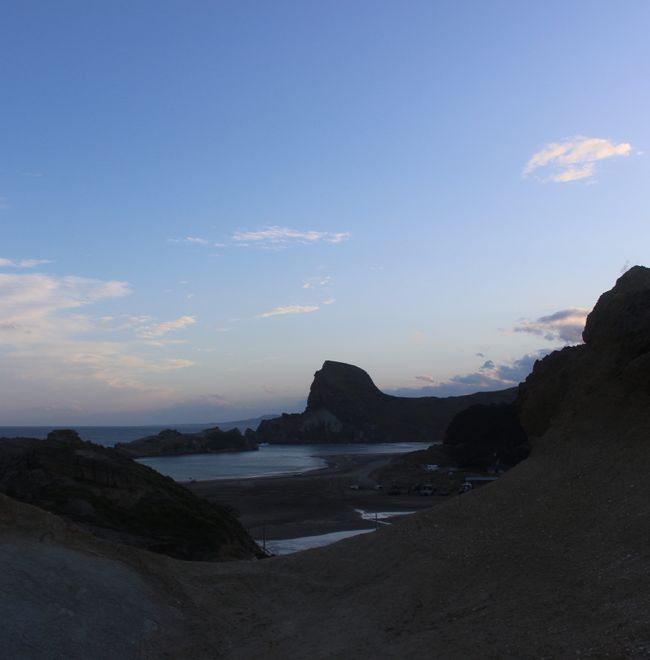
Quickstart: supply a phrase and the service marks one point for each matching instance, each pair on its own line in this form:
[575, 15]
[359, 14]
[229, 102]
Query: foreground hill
[344, 405]
[116, 498]
[551, 561]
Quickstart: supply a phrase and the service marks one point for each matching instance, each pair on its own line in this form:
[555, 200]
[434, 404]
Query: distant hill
[171, 442]
[344, 405]
[243, 424]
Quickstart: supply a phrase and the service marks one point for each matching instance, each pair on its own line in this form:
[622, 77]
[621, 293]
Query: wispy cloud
[4, 203]
[314, 282]
[565, 325]
[22, 263]
[574, 158]
[488, 377]
[110, 365]
[47, 340]
[35, 296]
[289, 309]
[160, 329]
[278, 237]
[191, 240]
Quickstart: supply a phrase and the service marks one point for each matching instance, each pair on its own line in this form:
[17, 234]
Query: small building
[476, 480]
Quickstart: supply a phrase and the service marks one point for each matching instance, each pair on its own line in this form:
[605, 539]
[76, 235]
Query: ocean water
[267, 461]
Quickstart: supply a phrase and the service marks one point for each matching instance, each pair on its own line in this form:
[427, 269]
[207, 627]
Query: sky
[200, 202]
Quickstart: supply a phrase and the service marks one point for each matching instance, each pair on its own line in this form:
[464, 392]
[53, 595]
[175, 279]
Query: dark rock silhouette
[173, 443]
[483, 436]
[116, 498]
[344, 405]
[611, 367]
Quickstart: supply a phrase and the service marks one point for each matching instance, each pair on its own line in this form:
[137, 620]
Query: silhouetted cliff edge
[344, 405]
[604, 382]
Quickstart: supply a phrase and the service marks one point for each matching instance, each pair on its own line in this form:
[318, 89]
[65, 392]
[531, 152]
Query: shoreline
[315, 502]
[332, 467]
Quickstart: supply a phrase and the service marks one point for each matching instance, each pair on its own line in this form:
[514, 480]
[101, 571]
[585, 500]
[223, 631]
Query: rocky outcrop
[116, 498]
[344, 405]
[598, 381]
[483, 436]
[174, 443]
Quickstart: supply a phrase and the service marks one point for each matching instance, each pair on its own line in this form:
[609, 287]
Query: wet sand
[318, 502]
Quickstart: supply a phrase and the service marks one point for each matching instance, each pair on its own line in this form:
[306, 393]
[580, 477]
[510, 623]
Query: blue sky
[202, 201]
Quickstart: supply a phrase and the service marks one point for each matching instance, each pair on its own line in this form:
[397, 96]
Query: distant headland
[344, 405]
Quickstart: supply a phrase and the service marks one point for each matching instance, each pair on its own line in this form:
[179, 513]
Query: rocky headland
[344, 405]
[550, 561]
[115, 498]
[171, 442]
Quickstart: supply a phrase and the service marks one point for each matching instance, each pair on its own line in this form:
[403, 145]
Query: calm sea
[268, 460]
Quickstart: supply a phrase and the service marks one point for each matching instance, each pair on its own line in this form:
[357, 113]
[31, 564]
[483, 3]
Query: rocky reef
[174, 443]
[344, 405]
[116, 498]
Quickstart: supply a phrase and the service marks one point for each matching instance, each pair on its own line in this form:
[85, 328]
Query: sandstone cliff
[344, 405]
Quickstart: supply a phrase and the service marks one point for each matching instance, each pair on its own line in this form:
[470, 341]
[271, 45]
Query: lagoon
[269, 460]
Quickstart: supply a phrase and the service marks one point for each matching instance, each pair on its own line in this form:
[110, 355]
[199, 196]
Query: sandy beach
[318, 502]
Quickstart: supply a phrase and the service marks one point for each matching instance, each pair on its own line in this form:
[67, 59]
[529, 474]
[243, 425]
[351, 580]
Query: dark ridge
[116, 498]
[344, 405]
